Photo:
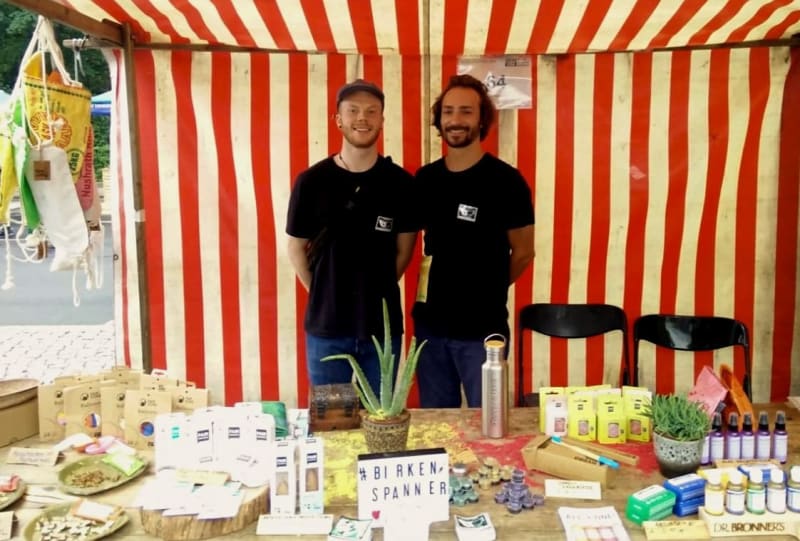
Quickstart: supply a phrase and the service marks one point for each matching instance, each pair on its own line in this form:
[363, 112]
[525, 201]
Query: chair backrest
[570, 321]
[692, 333]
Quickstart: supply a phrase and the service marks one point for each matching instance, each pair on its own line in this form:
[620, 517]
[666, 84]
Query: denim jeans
[444, 365]
[338, 370]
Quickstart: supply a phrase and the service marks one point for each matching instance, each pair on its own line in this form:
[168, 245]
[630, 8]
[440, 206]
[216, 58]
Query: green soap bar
[278, 412]
[638, 518]
[651, 500]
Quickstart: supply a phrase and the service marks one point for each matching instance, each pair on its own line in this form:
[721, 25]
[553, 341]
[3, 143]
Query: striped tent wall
[663, 182]
[455, 26]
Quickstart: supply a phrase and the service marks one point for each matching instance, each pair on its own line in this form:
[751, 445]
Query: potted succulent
[385, 420]
[680, 426]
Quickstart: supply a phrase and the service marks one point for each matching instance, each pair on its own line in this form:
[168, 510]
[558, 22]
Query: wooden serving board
[187, 527]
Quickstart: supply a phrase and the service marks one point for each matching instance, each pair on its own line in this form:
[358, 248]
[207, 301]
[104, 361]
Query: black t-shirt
[466, 216]
[352, 221]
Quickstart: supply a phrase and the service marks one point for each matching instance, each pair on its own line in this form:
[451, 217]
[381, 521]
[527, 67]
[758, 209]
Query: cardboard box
[19, 421]
[545, 456]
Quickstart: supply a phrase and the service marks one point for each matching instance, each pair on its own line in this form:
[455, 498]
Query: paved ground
[45, 351]
[54, 348]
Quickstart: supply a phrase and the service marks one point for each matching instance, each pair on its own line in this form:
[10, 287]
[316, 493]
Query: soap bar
[651, 502]
[689, 507]
[686, 487]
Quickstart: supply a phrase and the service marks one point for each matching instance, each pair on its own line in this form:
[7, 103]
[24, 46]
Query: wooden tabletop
[462, 429]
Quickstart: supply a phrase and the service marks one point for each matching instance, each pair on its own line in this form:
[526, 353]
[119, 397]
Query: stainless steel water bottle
[494, 396]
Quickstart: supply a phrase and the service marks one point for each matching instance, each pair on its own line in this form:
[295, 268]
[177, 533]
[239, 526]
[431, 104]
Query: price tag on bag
[41, 170]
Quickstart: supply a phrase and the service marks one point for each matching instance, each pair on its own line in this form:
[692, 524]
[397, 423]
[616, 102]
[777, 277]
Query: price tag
[33, 457]
[661, 530]
[41, 170]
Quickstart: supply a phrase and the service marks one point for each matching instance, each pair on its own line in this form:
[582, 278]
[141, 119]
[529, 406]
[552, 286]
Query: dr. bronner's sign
[749, 524]
[403, 482]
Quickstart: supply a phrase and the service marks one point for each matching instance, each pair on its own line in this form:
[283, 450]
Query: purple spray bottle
[780, 438]
[763, 437]
[733, 440]
[748, 438]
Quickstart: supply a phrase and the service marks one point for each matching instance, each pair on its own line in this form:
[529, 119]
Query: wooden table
[541, 523]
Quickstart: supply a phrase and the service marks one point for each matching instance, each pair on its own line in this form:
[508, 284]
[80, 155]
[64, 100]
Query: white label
[748, 447]
[756, 500]
[776, 499]
[715, 502]
[649, 492]
[559, 488]
[780, 448]
[762, 446]
[717, 448]
[793, 499]
[735, 502]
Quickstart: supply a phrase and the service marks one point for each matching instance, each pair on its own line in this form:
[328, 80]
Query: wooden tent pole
[138, 199]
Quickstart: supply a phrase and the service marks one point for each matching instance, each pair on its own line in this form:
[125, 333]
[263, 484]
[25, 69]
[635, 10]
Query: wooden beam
[106, 30]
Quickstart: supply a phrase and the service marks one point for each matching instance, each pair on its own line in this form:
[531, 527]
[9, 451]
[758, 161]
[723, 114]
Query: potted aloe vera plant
[385, 419]
[679, 429]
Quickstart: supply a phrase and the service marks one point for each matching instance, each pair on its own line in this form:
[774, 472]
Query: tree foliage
[16, 27]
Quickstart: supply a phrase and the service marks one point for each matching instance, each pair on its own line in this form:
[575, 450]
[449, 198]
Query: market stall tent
[661, 150]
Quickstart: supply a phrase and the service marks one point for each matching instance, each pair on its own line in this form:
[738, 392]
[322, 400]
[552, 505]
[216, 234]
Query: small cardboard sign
[200, 477]
[402, 483]
[562, 488]
[663, 530]
[32, 457]
[6, 524]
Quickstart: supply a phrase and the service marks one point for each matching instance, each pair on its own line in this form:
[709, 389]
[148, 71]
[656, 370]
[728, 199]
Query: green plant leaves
[393, 399]
[678, 417]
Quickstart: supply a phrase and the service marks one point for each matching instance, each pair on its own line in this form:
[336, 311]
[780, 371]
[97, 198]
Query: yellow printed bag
[58, 110]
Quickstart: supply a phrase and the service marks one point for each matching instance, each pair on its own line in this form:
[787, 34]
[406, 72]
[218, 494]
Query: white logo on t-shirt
[384, 224]
[467, 212]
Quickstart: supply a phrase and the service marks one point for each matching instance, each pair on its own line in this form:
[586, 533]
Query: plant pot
[676, 457]
[386, 435]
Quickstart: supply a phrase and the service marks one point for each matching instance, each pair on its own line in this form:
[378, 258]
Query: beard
[460, 140]
[360, 140]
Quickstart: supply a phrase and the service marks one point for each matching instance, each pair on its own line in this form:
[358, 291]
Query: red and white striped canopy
[449, 27]
[664, 181]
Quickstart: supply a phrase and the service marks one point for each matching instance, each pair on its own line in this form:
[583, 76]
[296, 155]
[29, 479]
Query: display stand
[749, 524]
[187, 527]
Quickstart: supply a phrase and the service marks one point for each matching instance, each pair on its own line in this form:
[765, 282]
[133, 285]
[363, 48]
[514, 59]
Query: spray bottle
[763, 437]
[780, 438]
[733, 440]
[748, 438]
[717, 439]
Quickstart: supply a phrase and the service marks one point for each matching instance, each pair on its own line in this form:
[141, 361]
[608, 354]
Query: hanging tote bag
[58, 108]
[51, 183]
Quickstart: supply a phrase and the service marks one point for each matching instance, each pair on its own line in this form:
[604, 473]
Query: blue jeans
[444, 365]
[338, 370]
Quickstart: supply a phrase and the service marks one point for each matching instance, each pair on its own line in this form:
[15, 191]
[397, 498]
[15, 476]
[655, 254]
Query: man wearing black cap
[351, 237]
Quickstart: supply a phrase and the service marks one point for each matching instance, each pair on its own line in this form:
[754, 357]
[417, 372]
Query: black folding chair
[568, 321]
[692, 333]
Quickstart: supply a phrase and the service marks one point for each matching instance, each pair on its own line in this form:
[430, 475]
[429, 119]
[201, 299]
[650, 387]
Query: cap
[359, 85]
